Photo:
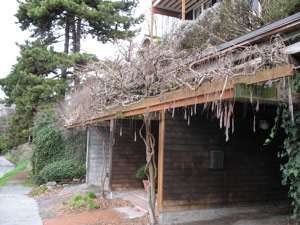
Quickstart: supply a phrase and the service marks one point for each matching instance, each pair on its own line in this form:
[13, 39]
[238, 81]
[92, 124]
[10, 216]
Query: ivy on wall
[290, 123]
[291, 169]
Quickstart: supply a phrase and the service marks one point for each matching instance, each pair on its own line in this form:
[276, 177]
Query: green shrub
[54, 143]
[62, 170]
[49, 148]
[76, 198]
[274, 10]
[91, 194]
[140, 174]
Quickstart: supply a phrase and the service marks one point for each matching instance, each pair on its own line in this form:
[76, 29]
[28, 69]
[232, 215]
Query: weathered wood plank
[161, 147]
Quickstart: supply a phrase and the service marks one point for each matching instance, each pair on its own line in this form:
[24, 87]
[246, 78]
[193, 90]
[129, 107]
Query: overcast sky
[11, 33]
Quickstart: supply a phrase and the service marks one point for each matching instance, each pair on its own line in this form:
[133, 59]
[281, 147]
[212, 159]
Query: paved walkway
[16, 208]
[5, 166]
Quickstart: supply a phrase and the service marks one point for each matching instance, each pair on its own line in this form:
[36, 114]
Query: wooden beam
[183, 10]
[161, 147]
[165, 12]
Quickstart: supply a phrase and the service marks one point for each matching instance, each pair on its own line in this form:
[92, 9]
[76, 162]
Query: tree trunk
[103, 133]
[75, 44]
[66, 46]
[150, 169]
[78, 35]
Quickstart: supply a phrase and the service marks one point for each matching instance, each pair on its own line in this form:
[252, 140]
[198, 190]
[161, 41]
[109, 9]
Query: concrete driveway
[5, 166]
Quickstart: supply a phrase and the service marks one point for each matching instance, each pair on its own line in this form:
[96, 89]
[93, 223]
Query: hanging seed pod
[254, 124]
[173, 112]
[232, 124]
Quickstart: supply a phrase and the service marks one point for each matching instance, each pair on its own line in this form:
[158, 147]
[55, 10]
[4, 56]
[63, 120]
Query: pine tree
[33, 81]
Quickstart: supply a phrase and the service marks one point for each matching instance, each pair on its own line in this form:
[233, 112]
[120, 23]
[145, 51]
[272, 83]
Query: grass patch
[83, 201]
[13, 172]
[91, 194]
[28, 184]
[38, 190]
[10, 158]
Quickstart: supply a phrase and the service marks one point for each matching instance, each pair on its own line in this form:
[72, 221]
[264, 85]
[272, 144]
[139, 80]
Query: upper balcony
[182, 9]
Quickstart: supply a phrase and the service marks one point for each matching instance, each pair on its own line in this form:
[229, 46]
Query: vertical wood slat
[161, 146]
[183, 10]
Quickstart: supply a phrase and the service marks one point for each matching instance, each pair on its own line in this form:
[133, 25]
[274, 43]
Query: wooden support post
[111, 144]
[183, 10]
[152, 22]
[161, 147]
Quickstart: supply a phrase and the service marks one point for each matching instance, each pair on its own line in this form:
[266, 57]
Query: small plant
[72, 203]
[76, 198]
[82, 201]
[39, 190]
[140, 174]
[91, 194]
[92, 205]
[81, 204]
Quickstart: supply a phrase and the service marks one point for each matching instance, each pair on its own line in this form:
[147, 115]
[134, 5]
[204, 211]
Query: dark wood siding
[127, 156]
[250, 174]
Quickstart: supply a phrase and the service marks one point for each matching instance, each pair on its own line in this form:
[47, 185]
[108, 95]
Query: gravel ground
[50, 204]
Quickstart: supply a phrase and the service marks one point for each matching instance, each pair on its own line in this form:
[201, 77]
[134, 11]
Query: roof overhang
[186, 97]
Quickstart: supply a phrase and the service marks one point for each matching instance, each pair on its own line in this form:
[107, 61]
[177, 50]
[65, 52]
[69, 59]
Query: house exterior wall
[95, 157]
[250, 175]
[127, 155]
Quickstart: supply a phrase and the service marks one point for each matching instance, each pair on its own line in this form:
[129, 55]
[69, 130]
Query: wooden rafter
[165, 12]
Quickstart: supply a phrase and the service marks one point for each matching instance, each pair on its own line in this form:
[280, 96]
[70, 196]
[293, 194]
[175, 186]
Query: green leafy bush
[54, 143]
[49, 148]
[140, 174]
[62, 170]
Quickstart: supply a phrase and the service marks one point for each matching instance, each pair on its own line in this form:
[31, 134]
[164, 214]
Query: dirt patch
[112, 211]
[103, 203]
[143, 220]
